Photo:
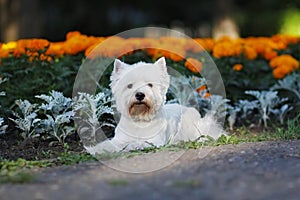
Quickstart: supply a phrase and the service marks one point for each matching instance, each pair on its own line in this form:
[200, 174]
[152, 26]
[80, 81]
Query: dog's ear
[119, 66]
[165, 78]
[162, 63]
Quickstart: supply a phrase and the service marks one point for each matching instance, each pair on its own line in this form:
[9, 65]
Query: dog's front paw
[103, 147]
[137, 146]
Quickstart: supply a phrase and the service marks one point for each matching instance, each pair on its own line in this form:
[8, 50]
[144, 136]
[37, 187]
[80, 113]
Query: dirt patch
[13, 146]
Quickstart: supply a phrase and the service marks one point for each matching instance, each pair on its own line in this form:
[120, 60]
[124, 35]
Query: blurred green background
[52, 19]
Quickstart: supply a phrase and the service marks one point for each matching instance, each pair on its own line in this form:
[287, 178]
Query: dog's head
[140, 89]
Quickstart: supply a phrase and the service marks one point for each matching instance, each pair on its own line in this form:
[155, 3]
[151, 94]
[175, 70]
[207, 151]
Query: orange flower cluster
[173, 48]
[225, 47]
[30, 47]
[75, 43]
[4, 52]
[251, 47]
[237, 67]
[113, 47]
[283, 65]
[203, 88]
[193, 64]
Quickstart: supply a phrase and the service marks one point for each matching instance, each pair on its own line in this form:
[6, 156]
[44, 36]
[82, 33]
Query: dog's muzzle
[140, 107]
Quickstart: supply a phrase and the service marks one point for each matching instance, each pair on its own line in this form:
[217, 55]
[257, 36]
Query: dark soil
[13, 146]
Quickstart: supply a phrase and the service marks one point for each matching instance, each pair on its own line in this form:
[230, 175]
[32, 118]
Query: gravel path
[264, 170]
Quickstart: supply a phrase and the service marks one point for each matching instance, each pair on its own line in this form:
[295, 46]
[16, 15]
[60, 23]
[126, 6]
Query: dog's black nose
[139, 96]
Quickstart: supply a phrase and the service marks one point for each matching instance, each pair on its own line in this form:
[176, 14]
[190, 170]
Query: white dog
[140, 91]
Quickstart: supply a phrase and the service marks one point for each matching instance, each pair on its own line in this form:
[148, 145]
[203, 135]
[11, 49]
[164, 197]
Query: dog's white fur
[149, 121]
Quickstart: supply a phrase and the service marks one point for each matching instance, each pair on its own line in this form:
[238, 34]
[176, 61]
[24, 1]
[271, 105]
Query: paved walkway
[265, 170]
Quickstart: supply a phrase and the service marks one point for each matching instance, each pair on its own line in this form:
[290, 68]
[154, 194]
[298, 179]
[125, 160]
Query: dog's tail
[208, 126]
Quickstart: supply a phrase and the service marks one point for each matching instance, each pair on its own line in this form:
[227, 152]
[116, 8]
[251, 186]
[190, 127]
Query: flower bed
[266, 67]
[280, 51]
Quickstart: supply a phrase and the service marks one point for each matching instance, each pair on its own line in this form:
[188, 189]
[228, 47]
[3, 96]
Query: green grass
[190, 183]
[292, 132]
[20, 177]
[120, 182]
[69, 158]
[17, 171]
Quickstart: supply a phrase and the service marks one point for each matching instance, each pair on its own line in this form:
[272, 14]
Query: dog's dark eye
[129, 86]
[150, 85]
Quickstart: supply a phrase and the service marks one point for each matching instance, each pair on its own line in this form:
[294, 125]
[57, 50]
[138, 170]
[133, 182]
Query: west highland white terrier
[139, 91]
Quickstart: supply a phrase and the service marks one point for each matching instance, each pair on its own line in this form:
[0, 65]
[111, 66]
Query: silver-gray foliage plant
[185, 90]
[182, 91]
[242, 109]
[267, 101]
[2, 80]
[59, 115]
[56, 103]
[54, 118]
[3, 127]
[27, 121]
[90, 108]
[218, 106]
[290, 83]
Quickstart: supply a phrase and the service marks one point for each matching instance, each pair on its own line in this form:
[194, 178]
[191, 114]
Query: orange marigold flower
[45, 58]
[226, 49]
[283, 65]
[76, 44]
[88, 52]
[207, 95]
[56, 49]
[172, 48]
[72, 34]
[38, 44]
[283, 60]
[155, 53]
[259, 47]
[4, 53]
[193, 64]
[193, 46]
[225, 38]
[10, 46]
[283, 40]
[207, 43]
[202, 87]
[111, 47]
[30, 46]
[281, 72]
[237, 67]
[269, 54]
[249, 52]
[7, 49]
[177, 55]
